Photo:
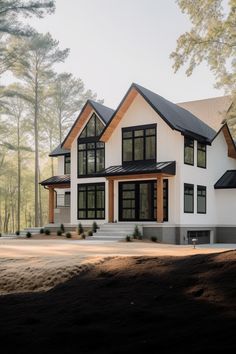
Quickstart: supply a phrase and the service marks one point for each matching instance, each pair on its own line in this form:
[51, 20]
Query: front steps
[114, 231]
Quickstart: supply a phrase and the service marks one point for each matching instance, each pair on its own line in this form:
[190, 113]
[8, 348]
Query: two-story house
[149, 162]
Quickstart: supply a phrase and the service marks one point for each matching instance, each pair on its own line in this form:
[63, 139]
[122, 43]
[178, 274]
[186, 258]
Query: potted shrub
[80, 229]
[95, 226]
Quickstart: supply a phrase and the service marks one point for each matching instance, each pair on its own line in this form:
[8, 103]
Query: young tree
[35, 70]
[212, 39]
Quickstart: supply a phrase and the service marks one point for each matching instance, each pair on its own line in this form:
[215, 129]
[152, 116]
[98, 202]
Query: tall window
[91, 151]
[139, 143]
[67, 164]
[201, 200]
[91, 201]
[91, 158]
[188, 151]
[188, 198]
[201, 155]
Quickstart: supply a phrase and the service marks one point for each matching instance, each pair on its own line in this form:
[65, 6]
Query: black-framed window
[188, 198]
[201, 155]
[67, 164]
[91, 157]
[93, 128]
[91, 201]
[139, 143]
[188, 151]
[201, 199]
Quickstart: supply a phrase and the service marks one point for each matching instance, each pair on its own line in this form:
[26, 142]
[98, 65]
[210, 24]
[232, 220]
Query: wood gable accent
[229, 141]
[80, 121]
[129, 98]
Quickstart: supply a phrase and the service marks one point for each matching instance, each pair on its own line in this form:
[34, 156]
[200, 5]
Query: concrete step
[107, 238]
[112, 233]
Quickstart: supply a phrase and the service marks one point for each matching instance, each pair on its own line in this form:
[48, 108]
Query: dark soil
[129, 305]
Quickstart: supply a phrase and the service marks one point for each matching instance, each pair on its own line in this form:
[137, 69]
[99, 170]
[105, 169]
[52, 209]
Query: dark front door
[137, 201]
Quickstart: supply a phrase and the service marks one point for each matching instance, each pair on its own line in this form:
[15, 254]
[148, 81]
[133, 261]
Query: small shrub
[95, 226]
[154, 239]
[41, 231]
[47, 232]
[90, 233]
[128, 238]
[137, 234]
[59, 232]
[62, 227]
[28, 235]
[68, 235]
[83, 236]
[17, 233]
[80, 229]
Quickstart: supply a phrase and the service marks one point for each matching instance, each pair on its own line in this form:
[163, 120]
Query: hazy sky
[116, 42]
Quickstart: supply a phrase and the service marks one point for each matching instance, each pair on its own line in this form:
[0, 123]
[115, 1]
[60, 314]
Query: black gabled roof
[168, 167]
[104, 112]
[227, 181]
[64, 179]
[175, 116]
[59, 151]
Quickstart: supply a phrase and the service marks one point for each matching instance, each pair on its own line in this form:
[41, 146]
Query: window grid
[201, 199]
[188, 198]
[88, 194]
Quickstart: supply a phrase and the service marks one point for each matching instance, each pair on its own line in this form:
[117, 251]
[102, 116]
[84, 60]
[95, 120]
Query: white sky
[116, 42]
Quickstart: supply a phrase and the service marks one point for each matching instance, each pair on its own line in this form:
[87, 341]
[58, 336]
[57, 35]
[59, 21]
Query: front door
[137, 201]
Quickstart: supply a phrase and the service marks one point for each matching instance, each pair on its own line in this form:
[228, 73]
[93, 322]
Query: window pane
[82, 200]
[82, 146]
[128, 194]
[127, 150]
[82, 214]
[99, 126]
[150, 148]
[82, 162]
[201, 155]
[100, 145]
[128, 203]
[100, 199]
[128, 186]
[128, 214]
[91, 200]
[91, 161]
[90, 146]
[150, 131]
[91, 214]
[91, 127]
[127, 134]
[100, 214]
[188, 198]
[84, 133]
[100, 160]
[201, 199]
[188, 151]
[138, 132]
[138, 149]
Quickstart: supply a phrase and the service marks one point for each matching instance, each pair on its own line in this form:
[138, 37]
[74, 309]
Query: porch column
[160, 215]
[51, 205]
[111, 200]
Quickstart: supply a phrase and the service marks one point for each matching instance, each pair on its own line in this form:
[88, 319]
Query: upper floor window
[139, 143]
[67, 164]
[201, 199]
[188, 198]
[93, 128]
[188, 151]
[91, 157]
[201, 155]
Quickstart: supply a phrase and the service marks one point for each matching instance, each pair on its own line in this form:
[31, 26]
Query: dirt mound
[129, 304]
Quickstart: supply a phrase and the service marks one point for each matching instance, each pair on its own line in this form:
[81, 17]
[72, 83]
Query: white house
[149, 162]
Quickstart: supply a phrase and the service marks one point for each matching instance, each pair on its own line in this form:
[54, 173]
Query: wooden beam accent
[229, 141]
[140, 176]
[160, 214]
[111, 200]
[77, 126]
[51, 206]
[119, 115]
[59, 186]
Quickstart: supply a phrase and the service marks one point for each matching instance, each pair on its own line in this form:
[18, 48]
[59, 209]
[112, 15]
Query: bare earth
[39, 264]
[147, 298]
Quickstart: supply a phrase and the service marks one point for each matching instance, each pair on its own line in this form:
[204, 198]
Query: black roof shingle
[64, 179]
[227, 181]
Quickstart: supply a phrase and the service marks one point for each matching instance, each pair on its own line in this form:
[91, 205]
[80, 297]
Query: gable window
[67, 164]
[188, 151]
[91, 151]
[91, 201]
[201, 200]
[139, 143]
[93, 128]
[201, 155]
[188, 198]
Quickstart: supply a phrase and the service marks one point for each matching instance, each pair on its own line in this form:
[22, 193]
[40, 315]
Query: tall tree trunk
[60, 126]
[18, 174]
[50, 143]
[40, 205]
[36, 167]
